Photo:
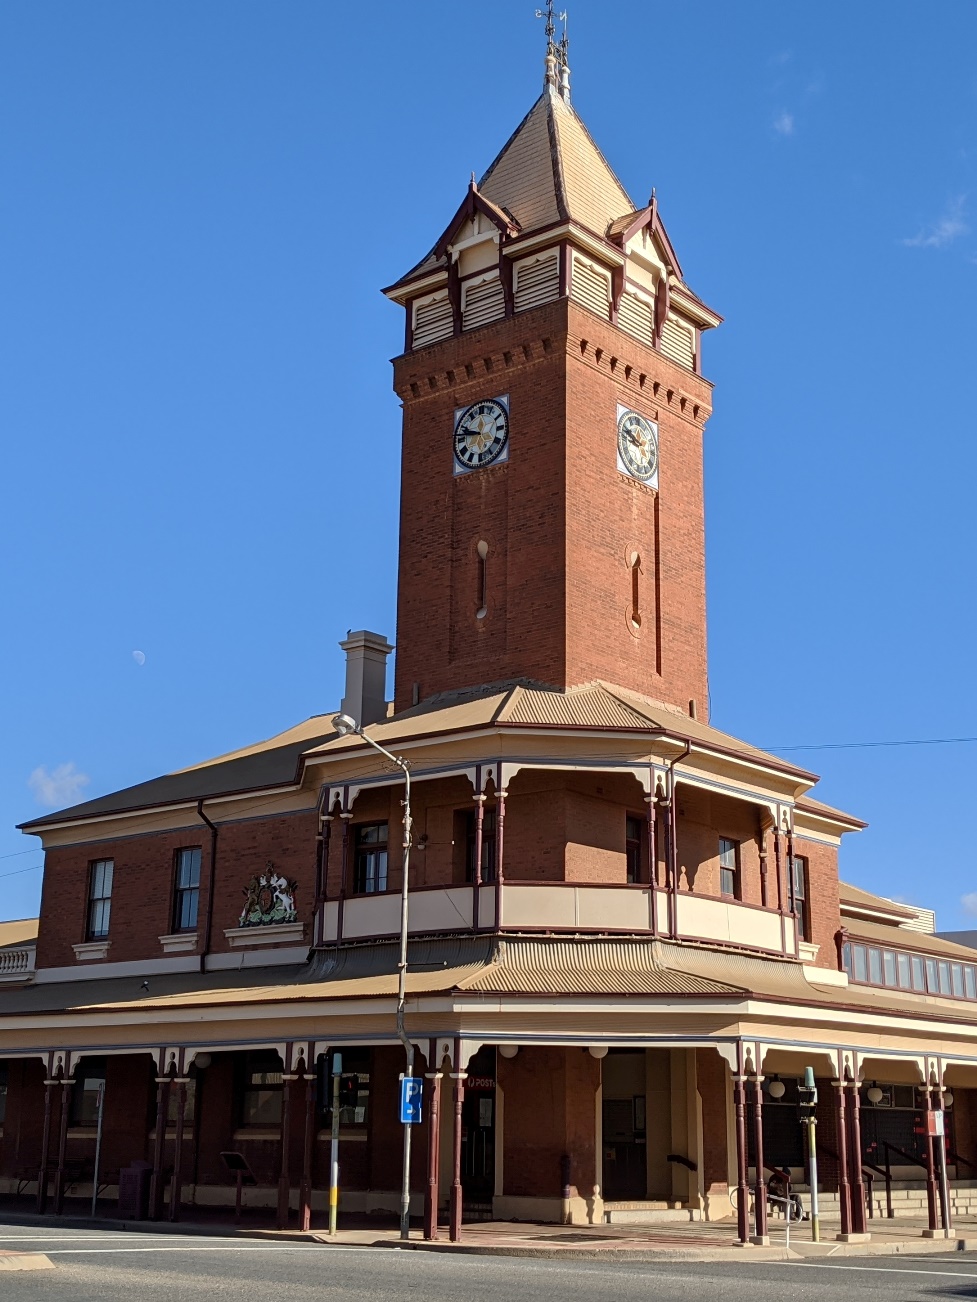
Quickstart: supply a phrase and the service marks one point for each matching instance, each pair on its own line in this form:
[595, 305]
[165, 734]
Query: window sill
[91, 949]
[264, 1134]
[275, 934]
[179, 942]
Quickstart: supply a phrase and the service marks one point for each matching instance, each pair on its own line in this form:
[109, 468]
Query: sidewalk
[695, 1241]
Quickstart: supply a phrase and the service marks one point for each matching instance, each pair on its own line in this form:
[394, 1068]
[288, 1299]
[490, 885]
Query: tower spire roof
[549, 171]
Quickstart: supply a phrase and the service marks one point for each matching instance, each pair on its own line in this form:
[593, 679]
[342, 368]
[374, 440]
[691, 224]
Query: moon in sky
[139, 657]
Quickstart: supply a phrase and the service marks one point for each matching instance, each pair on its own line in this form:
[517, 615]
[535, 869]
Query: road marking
[236, 1247]
[887, 1270]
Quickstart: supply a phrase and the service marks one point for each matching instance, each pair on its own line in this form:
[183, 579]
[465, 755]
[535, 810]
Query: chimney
[365, 700]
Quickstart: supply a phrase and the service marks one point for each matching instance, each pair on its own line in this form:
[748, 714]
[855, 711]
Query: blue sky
[198, 206]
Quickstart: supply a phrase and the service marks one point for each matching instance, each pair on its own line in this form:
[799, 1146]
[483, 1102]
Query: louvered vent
[637, 317]
[482, 302]
[677, 343]
[432, 320]
[537, 280]
[591, 286]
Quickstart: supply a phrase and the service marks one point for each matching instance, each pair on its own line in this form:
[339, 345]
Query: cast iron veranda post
[42, 1175]
[433, 1148]
[760, 1185]
[176, 1187]
[742, 1160]
[284, 1173]
[844, 1189]
[66, 1086]
[454, 1232]
[156, 1180]
[858, 1223]
[308, 1146]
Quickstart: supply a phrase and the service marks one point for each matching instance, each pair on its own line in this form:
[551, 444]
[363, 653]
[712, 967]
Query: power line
[862, 745]
[18, 871]
[17, 853]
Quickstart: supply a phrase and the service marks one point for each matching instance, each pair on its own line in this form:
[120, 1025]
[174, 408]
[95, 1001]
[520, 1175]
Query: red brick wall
[20, 1146]
[550, 1109]
[822, 868]
[711, 1085]
[142, 888]
[559, 519]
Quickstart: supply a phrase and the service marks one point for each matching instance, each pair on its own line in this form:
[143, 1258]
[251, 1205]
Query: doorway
[625, 1134]
[478, 1137]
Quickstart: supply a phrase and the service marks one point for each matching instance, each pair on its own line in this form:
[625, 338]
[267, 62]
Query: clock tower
[551, 516]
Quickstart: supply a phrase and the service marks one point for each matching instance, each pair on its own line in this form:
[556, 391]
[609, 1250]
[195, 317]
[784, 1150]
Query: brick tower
[551, 523]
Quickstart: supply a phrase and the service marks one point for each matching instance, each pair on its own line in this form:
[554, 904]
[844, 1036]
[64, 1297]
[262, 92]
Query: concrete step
[646, 1213]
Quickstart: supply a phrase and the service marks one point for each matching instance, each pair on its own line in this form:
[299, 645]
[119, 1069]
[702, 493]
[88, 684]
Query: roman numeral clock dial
[637, 446]
[481, 434]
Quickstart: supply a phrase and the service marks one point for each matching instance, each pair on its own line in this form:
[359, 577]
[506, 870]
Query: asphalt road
[102, 1266]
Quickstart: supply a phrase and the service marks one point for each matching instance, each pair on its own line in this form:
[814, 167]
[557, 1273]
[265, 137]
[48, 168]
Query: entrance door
[478, 1137]
[625, 1147]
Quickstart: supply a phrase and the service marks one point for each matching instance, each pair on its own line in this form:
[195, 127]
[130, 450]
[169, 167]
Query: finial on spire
[556, 74]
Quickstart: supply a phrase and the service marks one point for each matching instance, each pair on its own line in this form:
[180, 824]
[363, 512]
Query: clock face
[481, 434]
[637, 446]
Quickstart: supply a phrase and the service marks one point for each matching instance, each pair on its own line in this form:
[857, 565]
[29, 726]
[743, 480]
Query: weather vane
[549, 15]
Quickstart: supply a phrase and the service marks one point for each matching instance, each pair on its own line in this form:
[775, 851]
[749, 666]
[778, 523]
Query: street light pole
[343, 725]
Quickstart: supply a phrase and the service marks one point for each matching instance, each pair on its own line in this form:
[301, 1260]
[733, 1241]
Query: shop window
[633, 833]
[100, 898]
[261, 1096]
[186, 894]
[370, 859]
[354, 1089]
[89, 1082]
[802, 908]
[728, 868]
[488, 845]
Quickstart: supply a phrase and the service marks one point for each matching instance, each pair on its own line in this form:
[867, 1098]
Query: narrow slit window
[482, 610]
[635, 590]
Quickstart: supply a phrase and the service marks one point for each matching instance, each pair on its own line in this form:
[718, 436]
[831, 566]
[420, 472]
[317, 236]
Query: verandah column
[844, 1189]
[855, 1158]
[159, 1143]
[308, 1146]
[66, 1085]
[176, 1187]
[42, 1175]
[500, 798]
[742, 1160]
[431, 1196]
[284, 1176]
[932, 1195]
[760, 1185]
[454, 1230]
[477, 866]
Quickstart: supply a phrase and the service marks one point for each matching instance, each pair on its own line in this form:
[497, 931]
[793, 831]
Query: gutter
[209, 923]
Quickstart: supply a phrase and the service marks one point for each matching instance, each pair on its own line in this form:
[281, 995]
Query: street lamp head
[344, 724]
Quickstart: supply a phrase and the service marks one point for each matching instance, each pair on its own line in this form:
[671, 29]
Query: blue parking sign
[411, 1093]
